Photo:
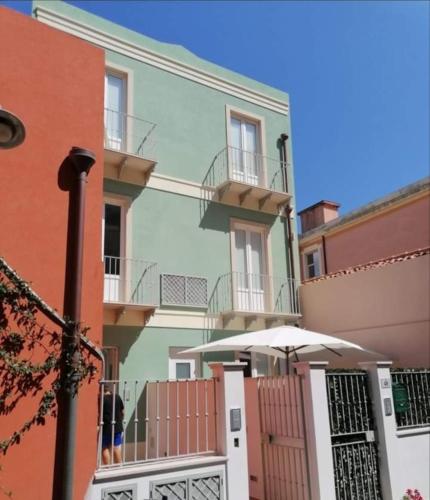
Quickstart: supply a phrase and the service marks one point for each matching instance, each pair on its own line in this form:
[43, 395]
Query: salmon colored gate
[276, 439]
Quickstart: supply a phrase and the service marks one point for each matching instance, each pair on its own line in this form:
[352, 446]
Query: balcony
[252, 297]
[129, 147]
[130, 285]
[248, 179]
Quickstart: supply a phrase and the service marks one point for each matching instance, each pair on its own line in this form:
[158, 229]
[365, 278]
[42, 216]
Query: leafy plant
[32, 354]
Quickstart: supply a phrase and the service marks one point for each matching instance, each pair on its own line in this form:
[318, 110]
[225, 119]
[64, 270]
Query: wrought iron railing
[355, 455]
[411, 392]
[131, 281]
[129, 134]
[234, 164]
[237, 291]
[349, 403]
[157, 420]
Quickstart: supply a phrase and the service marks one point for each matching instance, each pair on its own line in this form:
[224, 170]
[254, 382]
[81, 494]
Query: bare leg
[117, 458]
[106, 458]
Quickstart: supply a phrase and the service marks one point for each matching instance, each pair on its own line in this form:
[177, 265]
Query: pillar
[231, 426]
[317, 424]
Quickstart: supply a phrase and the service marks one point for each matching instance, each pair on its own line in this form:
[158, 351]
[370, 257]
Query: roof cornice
[107, 41]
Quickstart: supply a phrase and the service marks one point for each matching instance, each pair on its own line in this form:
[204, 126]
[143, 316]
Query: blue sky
[357, 74]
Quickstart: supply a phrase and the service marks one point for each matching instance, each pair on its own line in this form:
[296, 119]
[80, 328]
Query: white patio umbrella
[283, 342]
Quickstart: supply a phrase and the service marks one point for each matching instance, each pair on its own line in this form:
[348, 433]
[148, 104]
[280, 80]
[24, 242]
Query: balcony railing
[131, 282]
[158, 420]
[129, 135]
[256, 293]
[238, 165]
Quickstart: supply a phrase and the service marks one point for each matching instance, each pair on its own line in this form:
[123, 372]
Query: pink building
[366, 274]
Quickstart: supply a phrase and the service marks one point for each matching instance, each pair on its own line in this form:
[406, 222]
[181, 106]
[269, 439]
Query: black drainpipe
[324, 255]
[288, 210]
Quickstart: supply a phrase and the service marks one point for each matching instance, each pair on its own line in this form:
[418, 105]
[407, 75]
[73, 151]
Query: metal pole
[81, 160]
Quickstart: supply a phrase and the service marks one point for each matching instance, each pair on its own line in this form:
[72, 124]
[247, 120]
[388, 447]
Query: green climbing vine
[32, 353]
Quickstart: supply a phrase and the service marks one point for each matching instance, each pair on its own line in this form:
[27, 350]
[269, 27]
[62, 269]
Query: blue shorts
[107, 439]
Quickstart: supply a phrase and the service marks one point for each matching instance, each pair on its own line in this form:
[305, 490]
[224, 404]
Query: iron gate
[355, 454]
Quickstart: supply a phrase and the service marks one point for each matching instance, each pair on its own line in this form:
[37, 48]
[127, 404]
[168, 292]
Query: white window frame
[243, 115]
[125, 203]
[175, 358]
[127, 76]
[239, 224]
[317, 250]
[125, 245]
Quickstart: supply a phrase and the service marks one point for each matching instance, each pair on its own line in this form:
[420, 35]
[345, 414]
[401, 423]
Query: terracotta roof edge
[373, 264]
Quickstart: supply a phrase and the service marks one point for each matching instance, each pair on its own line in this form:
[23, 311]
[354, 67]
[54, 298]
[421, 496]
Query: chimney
[316, 215]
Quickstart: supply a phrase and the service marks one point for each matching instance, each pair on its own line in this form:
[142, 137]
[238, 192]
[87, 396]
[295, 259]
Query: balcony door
[244, 155]
[115, 118]
[114, 250]
[250, 281]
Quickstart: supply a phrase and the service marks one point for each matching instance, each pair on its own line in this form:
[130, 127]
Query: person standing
[112, 432]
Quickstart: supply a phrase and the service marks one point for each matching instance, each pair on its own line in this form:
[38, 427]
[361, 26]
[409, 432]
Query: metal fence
[411, 393]
[237, 291]
[129, 134]
[354, 449]
[159, 420]
[234, 164]
[131, 281]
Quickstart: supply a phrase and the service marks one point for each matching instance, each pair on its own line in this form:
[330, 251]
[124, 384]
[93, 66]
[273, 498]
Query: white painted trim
[128, 75]
[189, 188]
[134, 51]
[160, 466]
[174, 362]
[261, 132]
[310, 250]
[175, 185]
[180, 320]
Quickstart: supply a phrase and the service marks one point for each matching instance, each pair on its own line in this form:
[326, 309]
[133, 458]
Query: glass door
[115, 120]
[249, 276]
[114, 268]
[244, 157]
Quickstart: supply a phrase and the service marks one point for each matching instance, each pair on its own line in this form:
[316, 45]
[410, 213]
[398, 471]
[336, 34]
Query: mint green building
[199, 221]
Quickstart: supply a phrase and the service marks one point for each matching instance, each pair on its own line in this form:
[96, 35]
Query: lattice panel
[197, 291]
[206, 488]
[120, 494]
[171, 491]
[183, 290]
[172, 289]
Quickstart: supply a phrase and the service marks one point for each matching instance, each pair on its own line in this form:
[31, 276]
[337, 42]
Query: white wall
[386, 309]
[404, 454]
[412, 463]
[143, 475]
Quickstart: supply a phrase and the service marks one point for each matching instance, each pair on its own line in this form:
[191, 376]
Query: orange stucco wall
[402, 229]
[406, 228]
[54, 83]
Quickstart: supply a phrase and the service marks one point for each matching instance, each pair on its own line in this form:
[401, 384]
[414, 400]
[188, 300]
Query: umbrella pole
[288, 360]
